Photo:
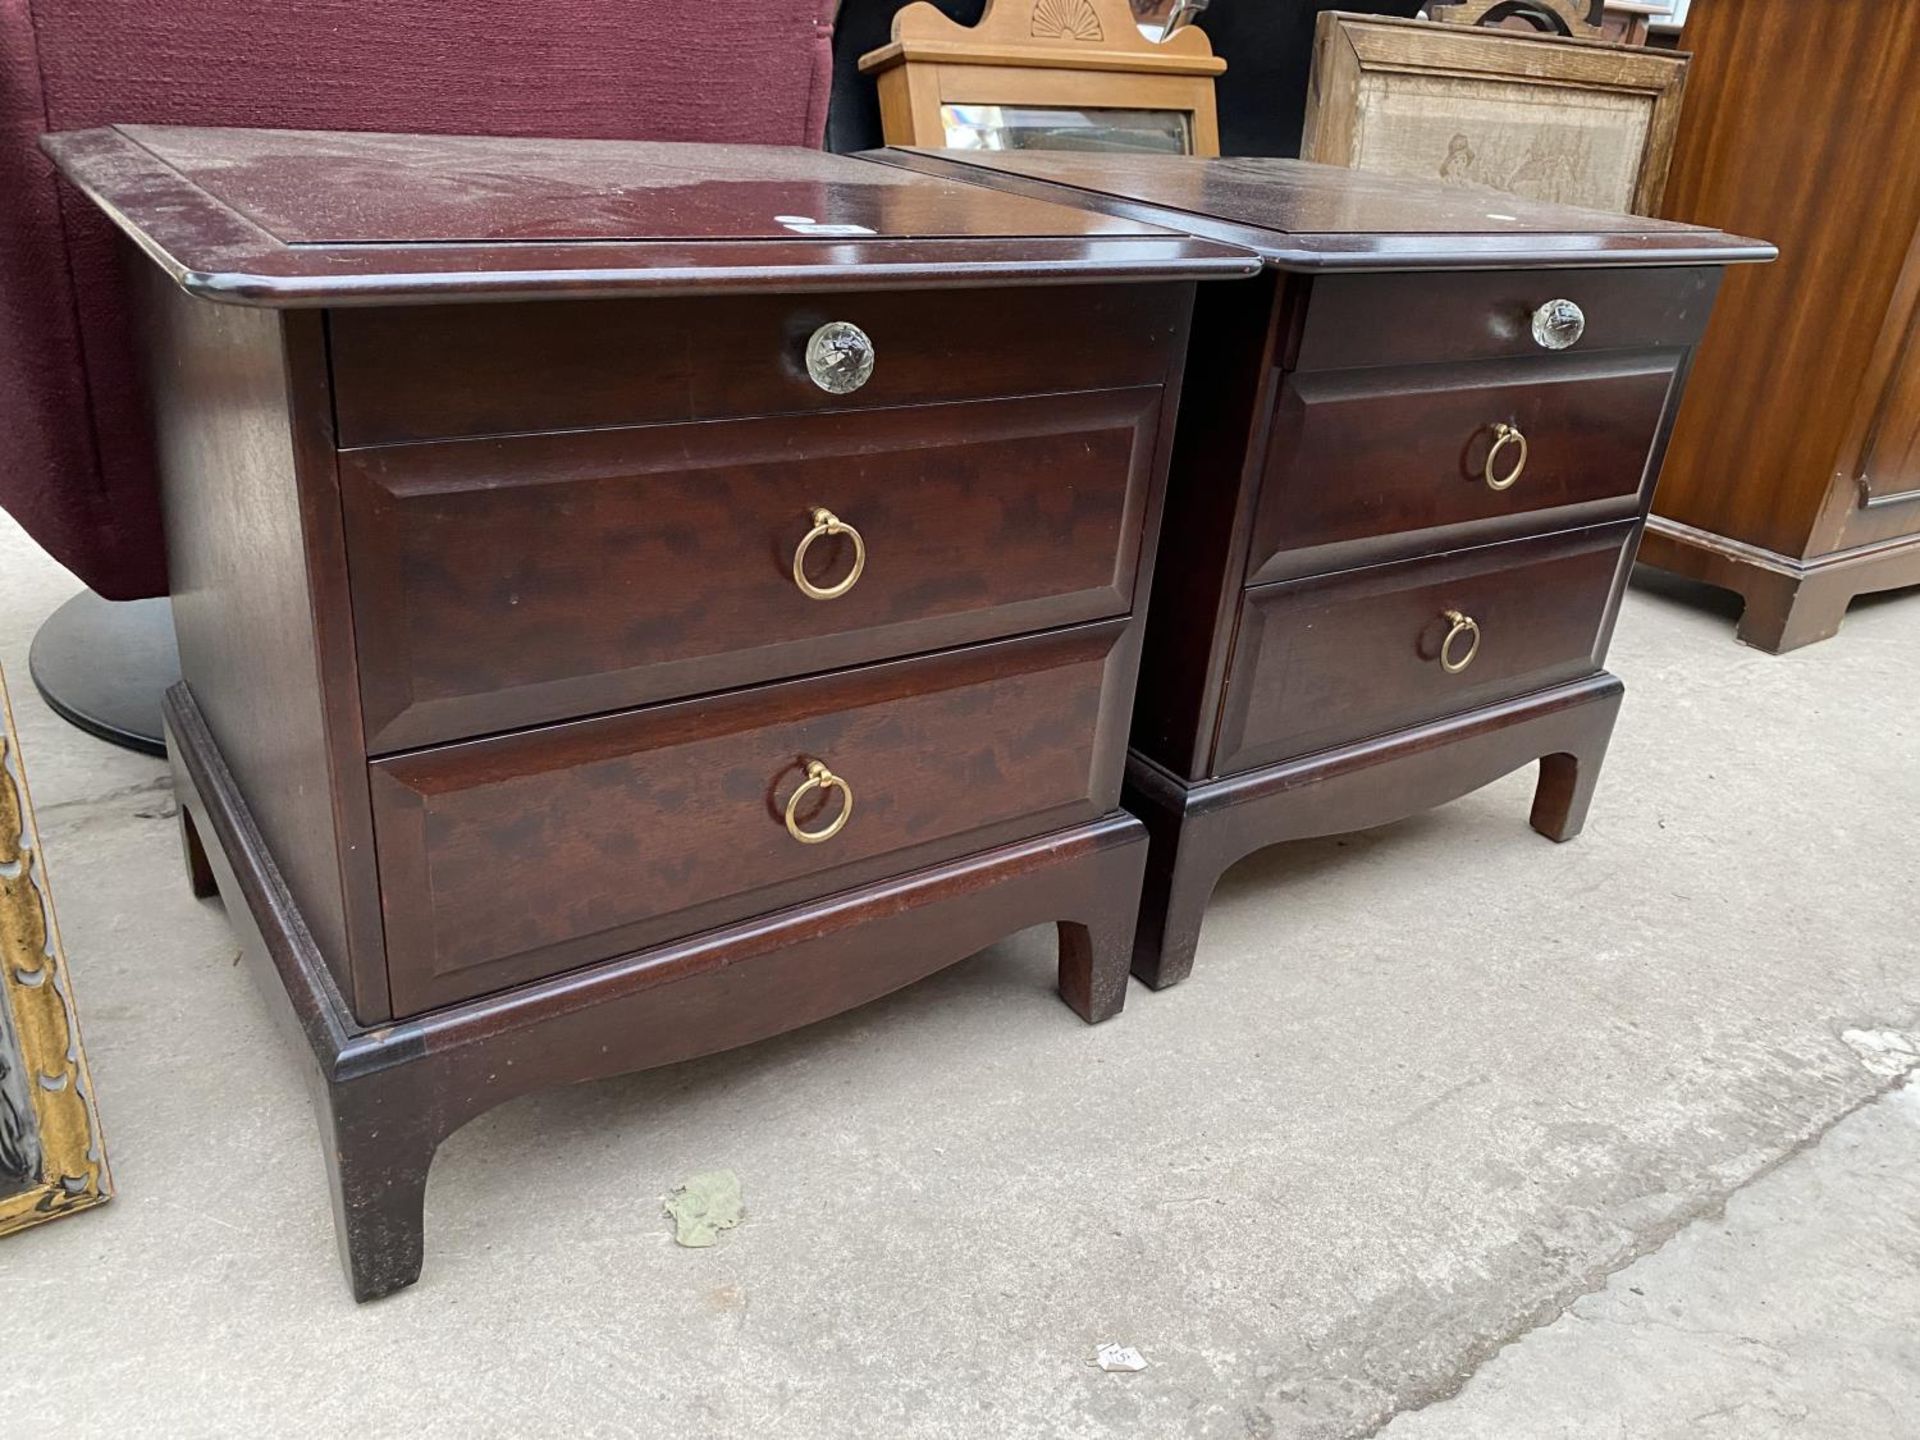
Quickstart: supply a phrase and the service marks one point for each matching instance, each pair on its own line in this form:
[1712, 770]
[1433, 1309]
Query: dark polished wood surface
[285, 217]
[499, 678]
[1332, 506]
[1302, 216]
[388, 1095]
[503, 582]
[1794, 477]
[1381, 455]
[1414, 319]
[248, 507]
[1231, 392]
[1345, 657]
[428, 374]
[508, 859]
[315, 189]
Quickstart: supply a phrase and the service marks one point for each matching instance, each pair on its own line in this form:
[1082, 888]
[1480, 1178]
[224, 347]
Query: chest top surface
[284, 217]
[1299, 215]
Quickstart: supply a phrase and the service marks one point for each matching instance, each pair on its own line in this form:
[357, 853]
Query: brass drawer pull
[1503, 436]
[825, 523]
[1462, 625]
[820, 778]
[839, 357]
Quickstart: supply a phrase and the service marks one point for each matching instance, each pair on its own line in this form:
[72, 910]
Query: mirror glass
[1065, 127]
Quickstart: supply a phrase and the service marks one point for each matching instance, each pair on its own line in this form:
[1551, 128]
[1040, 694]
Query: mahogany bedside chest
[1413, 466]
[637, 599]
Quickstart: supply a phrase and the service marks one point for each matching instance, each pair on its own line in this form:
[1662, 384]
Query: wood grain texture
[1789, 603]
[388, 1095]
[1344, 657]
[297, 218]
[1569, 120]
[236, 480]
[1362, 462]
[1246, 335]
[504, 582]
[1885, 434]
[569, 510]
[330, 603]
[1412, 319]
[509, 859]
[1302, 216]
[1806, 132]
[414, 373]
[1316, 406]
[1097, 35]
[1070, 54]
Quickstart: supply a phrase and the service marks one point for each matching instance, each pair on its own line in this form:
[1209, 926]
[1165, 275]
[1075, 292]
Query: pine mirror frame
[1065, 55]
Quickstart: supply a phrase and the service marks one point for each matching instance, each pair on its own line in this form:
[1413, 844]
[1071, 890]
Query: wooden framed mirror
[1045, 75]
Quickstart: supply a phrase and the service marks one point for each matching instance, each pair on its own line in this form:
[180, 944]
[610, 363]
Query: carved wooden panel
[1575, 122]
[1066, 20]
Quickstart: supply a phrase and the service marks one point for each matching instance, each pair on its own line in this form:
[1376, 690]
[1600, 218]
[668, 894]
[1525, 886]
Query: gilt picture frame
[1045, 74]
[52, 1161]
[1571, 121]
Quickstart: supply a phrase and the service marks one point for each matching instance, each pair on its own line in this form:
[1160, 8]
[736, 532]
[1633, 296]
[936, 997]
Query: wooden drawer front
[500, 583]
[1412, 318]
[508, 859]
[427, 373]
[1338, 658]
[1359, 455]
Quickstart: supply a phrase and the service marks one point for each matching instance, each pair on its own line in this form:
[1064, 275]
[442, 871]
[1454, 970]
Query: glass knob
[1557, 324]
[840, 358]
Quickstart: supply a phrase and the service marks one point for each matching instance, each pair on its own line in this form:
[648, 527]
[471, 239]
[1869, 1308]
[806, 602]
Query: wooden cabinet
[732, 619]
[1413, 463]
[1794, 475]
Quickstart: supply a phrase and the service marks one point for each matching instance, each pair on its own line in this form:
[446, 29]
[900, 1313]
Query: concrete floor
[1453, 1133]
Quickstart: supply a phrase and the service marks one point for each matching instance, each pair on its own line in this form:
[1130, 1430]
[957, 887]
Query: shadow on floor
[1688, 594]
[1705, 599]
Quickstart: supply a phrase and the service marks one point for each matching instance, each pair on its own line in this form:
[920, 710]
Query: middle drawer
[504, 582]
[1364, 463]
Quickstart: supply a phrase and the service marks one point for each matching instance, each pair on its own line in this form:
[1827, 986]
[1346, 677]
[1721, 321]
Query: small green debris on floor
[701, 1206]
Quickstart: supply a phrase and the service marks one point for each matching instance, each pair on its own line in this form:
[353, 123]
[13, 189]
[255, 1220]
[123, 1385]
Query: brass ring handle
[1503, 436]
[825, 523]
[1462, 625]
[819, 777]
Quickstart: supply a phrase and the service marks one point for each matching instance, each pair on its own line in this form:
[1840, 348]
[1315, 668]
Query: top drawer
[435, 372]
[506, 581]
[1413, 318]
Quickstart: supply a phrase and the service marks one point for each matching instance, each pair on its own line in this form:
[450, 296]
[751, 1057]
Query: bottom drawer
[1338, 658]
[509, 859]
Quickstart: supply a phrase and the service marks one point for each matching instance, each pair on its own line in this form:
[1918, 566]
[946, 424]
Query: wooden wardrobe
[1794, 474]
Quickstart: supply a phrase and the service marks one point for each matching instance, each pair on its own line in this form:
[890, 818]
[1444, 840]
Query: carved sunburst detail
[1066, 20]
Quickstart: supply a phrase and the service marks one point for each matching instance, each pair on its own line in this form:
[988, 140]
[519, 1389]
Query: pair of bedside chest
[635, 600]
